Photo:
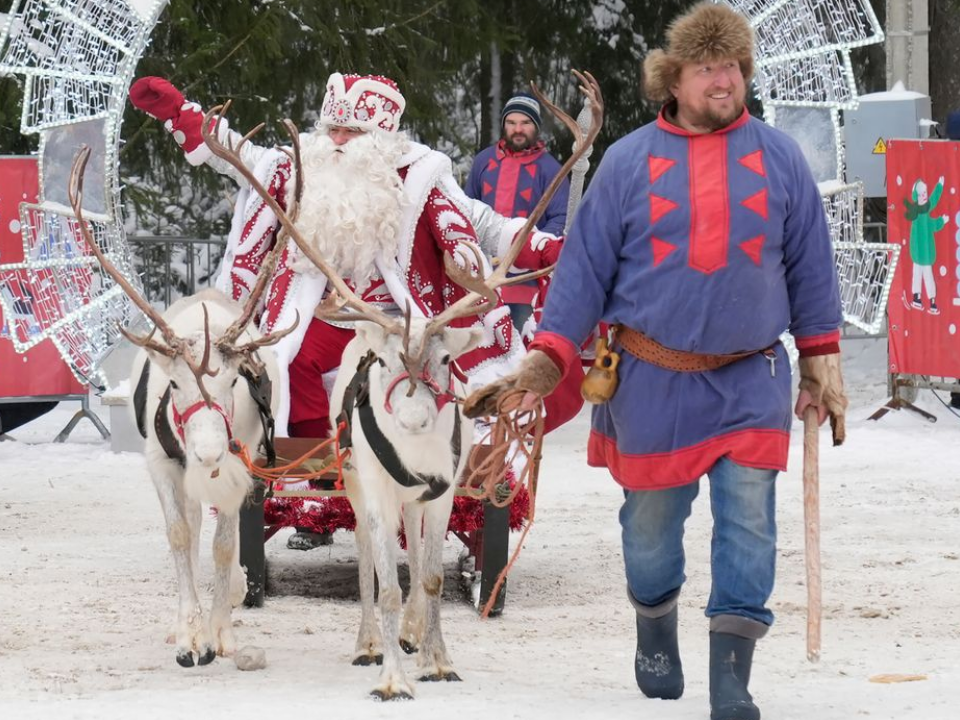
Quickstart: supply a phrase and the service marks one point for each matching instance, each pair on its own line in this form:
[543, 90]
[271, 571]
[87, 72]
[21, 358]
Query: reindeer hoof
[450, 676]
[387, 696]
[367, 660]
[207, 656]
[185, 659]
[408, 647]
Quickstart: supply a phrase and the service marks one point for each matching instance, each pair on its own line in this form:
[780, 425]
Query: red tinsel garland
[326, 514]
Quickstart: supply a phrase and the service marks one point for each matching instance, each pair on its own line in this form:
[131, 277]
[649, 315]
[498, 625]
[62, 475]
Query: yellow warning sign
[880, 147]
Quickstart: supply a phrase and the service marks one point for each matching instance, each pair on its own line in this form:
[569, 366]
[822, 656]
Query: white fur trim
[422, 176]
[246, 206]
[305, 294]
[199, 155]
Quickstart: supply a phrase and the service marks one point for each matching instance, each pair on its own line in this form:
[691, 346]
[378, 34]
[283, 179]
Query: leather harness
[357, 397]
[259, 386]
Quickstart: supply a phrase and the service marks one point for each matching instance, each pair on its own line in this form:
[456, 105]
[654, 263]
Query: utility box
[898, 113]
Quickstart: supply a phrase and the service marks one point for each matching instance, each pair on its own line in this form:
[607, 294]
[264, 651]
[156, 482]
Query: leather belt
[649, 350]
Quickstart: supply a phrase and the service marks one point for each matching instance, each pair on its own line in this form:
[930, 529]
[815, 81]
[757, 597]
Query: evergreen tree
[456, 63]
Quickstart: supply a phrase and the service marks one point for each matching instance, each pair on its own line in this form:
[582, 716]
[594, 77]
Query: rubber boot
[731, 657]
[657, 662]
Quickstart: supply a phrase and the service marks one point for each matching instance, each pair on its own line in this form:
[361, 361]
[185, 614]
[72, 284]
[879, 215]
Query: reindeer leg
[238, 576]
[225, 546]
[369, 649]
[191, 631]
[393, 684]
[194, 512]
[433, 661]
[411, 634]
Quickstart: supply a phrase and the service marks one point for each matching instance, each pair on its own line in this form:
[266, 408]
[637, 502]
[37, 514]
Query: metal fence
[172, 267]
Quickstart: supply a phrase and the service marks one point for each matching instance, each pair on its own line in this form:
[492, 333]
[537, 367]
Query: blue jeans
[743, 549]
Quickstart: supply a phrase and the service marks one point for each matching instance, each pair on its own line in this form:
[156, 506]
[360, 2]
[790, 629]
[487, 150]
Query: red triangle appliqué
[757, 203]
[753, 248]
[487, 188]
[661, 248]
[526, 194]
[658, 166]
[492, 165]
[531, 169]
[660, 206]
[754, 161]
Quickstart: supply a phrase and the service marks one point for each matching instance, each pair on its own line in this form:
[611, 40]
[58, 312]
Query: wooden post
[811, 521]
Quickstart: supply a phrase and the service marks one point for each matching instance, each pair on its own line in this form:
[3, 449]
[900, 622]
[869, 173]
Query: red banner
[39, 371]
[923, 217]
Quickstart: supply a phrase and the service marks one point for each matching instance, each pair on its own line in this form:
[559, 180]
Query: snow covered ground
[87, 594]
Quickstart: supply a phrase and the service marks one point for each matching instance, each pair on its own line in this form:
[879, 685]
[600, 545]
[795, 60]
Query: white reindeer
[409, 441]
[199, 387]
[403, 425]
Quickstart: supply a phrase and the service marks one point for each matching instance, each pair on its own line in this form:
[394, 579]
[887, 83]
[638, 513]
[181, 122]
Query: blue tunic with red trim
[712, 243]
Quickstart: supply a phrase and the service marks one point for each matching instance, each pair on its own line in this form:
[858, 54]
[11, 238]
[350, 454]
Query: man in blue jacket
[512, 175]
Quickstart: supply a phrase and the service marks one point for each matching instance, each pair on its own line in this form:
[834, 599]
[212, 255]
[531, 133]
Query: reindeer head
[413, 389]
[205, 376]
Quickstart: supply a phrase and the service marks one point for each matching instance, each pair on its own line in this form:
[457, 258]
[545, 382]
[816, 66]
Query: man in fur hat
[700, 240]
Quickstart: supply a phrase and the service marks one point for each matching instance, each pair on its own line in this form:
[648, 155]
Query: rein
[514, 435]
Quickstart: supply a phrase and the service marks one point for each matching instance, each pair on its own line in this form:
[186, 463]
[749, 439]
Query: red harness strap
[441, 396]
[180, 420]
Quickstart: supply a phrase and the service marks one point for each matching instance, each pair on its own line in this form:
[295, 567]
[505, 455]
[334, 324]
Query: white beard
[352, 202]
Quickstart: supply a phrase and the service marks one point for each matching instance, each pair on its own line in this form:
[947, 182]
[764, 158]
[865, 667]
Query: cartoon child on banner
[923, 246]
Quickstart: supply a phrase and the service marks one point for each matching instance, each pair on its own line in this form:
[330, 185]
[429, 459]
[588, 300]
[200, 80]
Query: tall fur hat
[706, 32]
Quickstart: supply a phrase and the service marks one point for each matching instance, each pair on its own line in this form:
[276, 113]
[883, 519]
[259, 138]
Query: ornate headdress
[367, 102]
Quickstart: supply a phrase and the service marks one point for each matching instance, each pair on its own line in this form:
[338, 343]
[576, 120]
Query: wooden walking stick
[811, 521]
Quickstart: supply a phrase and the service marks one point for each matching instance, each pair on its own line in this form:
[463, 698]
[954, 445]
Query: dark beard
[525, 143]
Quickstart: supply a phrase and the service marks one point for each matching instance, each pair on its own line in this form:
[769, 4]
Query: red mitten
[160, 99]
[541, 250]
[550, 252]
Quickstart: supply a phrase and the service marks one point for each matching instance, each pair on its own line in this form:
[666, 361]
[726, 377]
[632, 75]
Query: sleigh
[482, 527]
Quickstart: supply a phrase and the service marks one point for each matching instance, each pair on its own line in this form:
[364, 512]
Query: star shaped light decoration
[804, 77]
[77, 58]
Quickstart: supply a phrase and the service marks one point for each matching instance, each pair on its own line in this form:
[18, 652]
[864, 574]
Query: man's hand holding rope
[538, 375]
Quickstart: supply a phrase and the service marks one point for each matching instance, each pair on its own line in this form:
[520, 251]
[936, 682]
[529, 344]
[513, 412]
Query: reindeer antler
[173, 343]
[347, 297]
[203, 367]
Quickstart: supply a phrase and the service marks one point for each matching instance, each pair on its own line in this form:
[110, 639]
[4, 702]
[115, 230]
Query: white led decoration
[804, 77]
[865, 270]
[77, 58]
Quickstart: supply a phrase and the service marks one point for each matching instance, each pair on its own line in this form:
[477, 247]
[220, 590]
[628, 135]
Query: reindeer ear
[457, 341]
[372, 335]
[164, 362]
